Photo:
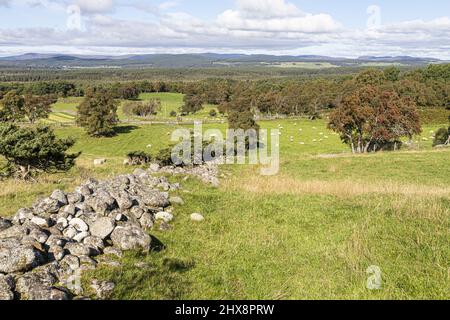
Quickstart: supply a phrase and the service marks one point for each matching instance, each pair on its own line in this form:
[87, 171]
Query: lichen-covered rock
[71, 262]
[47, 206]
[165, 216]
[39, 235]
[103, 289]
[87, 263]
[5, 224]
[6, 287]
[81, 236]
[18, 257]
[156, 199]
[23, 215]
[79, 224]
[70, 210]
[147, 220]
[40, 286]
[94, 242]
[131, 238]
[74, 197]
[137, 212]
[84, 190]
[14, 231]
[60, 196]
[56, 253]
[103, 227]
[154, 167]
[124, 201]
[41, 221]
[70, 232]
[54, 240]
[113, 251]
[176, 200]
[80, 249]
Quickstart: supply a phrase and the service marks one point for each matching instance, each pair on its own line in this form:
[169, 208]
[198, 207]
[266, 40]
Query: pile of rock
[208, 173]
[44, 248]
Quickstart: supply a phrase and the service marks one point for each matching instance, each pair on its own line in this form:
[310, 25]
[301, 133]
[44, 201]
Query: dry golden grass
[344, 188]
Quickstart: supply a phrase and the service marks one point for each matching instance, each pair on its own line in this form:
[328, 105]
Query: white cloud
[95, 6]
[267, 9]
[233, 20]
[168, 5]
[263, 26]
[274, 16]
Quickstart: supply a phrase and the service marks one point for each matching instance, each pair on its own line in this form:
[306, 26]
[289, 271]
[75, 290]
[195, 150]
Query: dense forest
[25, 74]
[301, 95]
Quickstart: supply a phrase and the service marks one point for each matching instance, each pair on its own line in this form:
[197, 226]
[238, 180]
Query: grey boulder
[18, 257]
[102, 227]
[6, 287]
[131, 238]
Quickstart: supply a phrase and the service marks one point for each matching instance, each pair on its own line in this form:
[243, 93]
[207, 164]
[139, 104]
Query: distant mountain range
[203, 60]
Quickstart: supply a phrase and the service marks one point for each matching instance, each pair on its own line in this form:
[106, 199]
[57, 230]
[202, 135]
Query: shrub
[164, 156]
[29, 151]
[442, 137]
[213, 113]
[142, 108]
[173, 113]
[137, 158]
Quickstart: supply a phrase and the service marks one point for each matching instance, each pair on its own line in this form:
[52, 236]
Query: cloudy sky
[344, 28]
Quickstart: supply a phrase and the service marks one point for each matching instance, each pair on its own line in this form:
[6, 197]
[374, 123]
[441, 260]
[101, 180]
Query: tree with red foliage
[370, 119]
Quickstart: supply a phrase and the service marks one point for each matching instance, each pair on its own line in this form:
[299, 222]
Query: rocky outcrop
[45, 248]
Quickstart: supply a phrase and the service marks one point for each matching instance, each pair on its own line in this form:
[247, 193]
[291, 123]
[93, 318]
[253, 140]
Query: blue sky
[328, 27]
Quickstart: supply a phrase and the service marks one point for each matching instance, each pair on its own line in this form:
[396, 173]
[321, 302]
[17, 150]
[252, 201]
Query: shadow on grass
[125, 129]
[148, 277]
[156, 245]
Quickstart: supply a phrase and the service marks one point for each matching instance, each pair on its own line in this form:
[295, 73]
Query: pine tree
[29, 151]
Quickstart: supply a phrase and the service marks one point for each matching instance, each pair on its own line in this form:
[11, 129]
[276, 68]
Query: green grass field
[305, 65]
[309, 232]
[64, 111]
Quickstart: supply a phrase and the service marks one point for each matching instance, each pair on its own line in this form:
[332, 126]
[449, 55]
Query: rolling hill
[203, 60]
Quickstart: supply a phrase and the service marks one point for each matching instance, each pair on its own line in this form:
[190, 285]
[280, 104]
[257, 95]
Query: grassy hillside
[309, 232]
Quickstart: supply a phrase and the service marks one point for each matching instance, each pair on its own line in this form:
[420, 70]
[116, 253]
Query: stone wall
[45, 248]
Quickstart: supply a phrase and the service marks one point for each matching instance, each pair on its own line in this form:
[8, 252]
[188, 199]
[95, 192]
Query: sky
[341, 28]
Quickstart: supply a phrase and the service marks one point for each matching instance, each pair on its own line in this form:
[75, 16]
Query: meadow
[309, 232]
[64, 111]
